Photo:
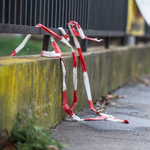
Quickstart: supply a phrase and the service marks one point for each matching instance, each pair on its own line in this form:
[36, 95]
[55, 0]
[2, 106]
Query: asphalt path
[107, 135]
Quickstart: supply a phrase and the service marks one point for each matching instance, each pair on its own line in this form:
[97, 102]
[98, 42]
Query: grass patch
[25, 136]
[33, 47]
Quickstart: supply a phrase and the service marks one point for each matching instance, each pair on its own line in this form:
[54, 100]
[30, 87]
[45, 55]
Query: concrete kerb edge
[52, 72]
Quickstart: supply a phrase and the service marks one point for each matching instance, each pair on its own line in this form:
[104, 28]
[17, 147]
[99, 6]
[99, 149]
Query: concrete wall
[36, 83]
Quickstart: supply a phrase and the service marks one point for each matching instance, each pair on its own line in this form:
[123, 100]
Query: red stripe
[91, 105]
[65, 104]
[117, 119]
[126, 121]
[78, 25]
[90, 39]
[75, 60]
[72, 23]
[49, 31]
[82, 60]
[74, 100]
[92, 108]
[96, 118]
[67, 37]
[13, 53]
[42, 53]
[56, 48]
[75, 32]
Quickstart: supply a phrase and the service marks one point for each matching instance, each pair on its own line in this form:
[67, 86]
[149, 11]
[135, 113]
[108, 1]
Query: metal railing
[51, 13]
[100, 18]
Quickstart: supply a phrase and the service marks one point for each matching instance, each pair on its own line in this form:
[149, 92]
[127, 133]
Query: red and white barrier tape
[57, 53]
[66, 107]
[80, 33]
[19, 48]
[66, 36]
[85, 75]
[75, 63]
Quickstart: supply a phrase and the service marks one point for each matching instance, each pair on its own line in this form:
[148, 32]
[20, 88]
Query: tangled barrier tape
[57, 53]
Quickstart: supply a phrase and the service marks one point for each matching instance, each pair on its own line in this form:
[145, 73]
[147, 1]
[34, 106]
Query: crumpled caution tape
[80, 33]
[57, 53]
[21, 46]
[75, 63]
[67, 109]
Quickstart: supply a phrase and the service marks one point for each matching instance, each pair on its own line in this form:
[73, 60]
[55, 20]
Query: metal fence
[90, 14]
[101, 18]
[51, 13]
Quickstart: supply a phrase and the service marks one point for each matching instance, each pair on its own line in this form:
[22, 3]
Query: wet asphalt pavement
[107, 135]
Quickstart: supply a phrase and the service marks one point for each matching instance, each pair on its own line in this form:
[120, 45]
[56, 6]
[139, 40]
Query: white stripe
[111, 118]
[98, 40]
[81, 32]
[63, 40]
[75, 78]
[52, 39]
[64, 74]
[87, 85]
[23, 43]
[50, 54]
[62, 30]
[76, 117]
[115, 120]
[76, 42]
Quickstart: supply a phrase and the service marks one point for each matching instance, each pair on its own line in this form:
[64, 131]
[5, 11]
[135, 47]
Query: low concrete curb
[36, 82]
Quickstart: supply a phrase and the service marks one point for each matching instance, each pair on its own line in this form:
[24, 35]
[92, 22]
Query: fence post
[84, 45]
[123, 41]
[46, 42]
[145, 40]
[136, 40]
[107, 42]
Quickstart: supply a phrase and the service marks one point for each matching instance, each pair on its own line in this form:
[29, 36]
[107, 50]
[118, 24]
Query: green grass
[24, 135]
[8, 45]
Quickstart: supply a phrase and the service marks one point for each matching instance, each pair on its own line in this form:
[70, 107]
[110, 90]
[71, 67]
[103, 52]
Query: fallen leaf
[97, 107]
[104, 100]
[141, 80]
[112, 104]
[53, 147]
[6, 144]
[5, 134]
[98, 103]
[145, 81]
[109, 96]
[101, 110]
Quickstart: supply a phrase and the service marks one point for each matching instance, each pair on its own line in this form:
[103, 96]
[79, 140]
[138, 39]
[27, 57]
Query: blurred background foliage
[9, 42]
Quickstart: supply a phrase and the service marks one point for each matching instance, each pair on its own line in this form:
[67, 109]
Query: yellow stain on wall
[36, 84]
[9, 60]
[30, 84]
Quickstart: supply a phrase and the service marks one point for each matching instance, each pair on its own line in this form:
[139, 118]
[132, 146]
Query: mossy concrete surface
[35, 82]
